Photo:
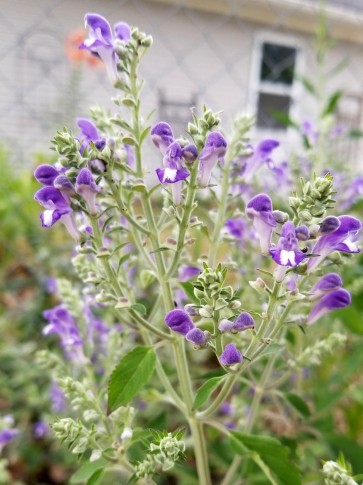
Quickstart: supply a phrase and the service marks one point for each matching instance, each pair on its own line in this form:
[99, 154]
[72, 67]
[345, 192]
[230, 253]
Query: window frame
[257, 86]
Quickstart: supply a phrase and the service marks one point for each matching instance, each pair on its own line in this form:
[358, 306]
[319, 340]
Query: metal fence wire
[233, 55]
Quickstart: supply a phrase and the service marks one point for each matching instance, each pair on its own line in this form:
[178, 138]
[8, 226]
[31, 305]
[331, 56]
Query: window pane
[277, 63]
[268, 106]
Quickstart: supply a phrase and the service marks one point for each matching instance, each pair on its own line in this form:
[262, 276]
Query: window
[275, 69]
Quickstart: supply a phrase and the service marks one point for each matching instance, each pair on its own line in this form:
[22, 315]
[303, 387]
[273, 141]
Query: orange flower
[79, 56]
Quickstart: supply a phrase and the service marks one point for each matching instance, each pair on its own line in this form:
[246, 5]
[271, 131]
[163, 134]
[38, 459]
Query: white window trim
[295, 91]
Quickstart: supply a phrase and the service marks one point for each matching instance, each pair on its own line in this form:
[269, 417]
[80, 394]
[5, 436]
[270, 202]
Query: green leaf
[96, 477]
[189, 291]
[87, 470]
[298, 403]
[284, 119]
[271, 453]
[144, 134]
[332, 103]
[206, 390]
[308, 85]
[139, 308]
[352, 320]
[128, 140]
[159, 250]
[129, 376]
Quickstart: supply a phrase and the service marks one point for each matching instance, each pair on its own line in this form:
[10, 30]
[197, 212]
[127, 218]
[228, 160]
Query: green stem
[222, 208]
[253, 415]
[163, 278]
[184, 224]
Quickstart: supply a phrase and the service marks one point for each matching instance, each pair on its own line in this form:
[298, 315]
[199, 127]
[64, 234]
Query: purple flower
[334, 300]
[214, 150]
[231, 355]
[103, 43]
[261, 155]
[62, 323]
[302, 233]
[57, 208]
[259, 209]
[236, 227]
[353, 192]
[328, 225]
[40, 429]
[173, 172]
[130, 157]
[179, 321]
[190, 153]
[326, 284]
[88, 133]
[342, 239]
[57, 398]
[63, 184]
[7, 435]
[187, 273]
[162, 136]
[46, 174]
[88, 189]
[308, 130]
[243, 322]
[287, 252]
[196, 336]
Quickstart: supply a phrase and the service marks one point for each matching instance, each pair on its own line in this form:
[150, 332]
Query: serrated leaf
[272, 453]
[129, 376]
[206, 390]
[298, 403]
[87, 470]
[139, 308]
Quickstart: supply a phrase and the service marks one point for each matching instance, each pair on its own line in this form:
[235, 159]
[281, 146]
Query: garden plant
[195, 323]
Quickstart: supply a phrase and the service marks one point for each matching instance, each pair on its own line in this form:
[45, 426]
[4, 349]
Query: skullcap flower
[259, 209]
[179, 321]
[231, 355]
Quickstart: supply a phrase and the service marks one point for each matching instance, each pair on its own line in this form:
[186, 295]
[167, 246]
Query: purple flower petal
[179, 321]
[231, 355]
[243, 322]
[88, 129]
[190, 153]
[99, 26]
[259, 209]
[196, 336]
[172, 175]
[214, 150]
[162, 136]
[225, 326]
[332, 301]
[46, 174]
[328, 225]
[287, 252]
[187, 273]
[236, 227]
[342, 239]
[302, 233]
[326, 284]
[260, 156]
[123, 31]
[87, 188]
[63, 184]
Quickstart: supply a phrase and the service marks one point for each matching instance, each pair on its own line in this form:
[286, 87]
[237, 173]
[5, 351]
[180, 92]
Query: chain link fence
[228, 54]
